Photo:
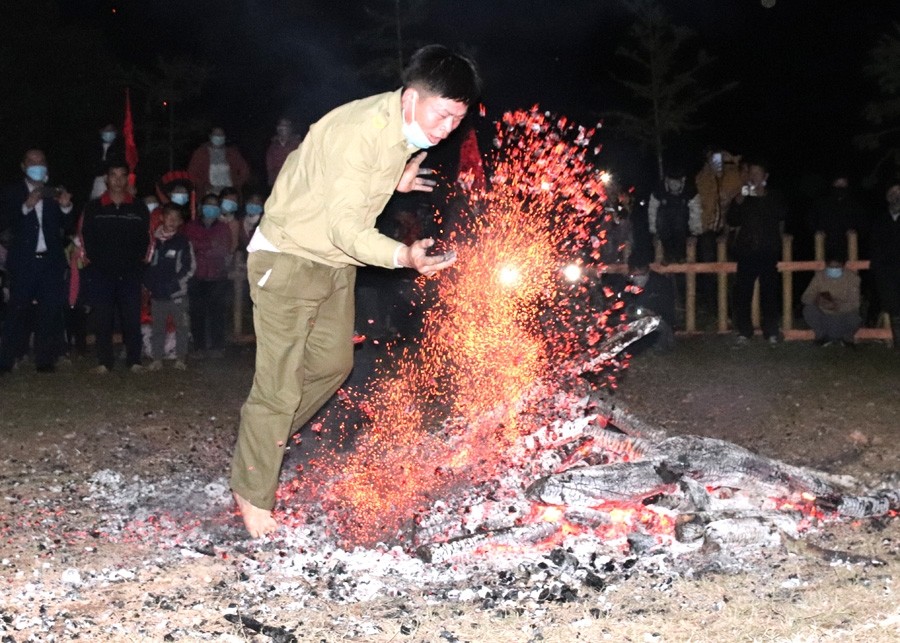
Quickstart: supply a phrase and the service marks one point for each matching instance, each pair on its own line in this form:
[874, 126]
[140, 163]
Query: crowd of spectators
[160, 268]
[730, 199]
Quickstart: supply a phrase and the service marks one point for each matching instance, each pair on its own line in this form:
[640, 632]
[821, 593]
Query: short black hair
[175, 208]
[115, 165]
[440, 71]
[229, 191]
[836, 251]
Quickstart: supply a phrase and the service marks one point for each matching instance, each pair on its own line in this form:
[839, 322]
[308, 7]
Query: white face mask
[413, 132]
[640, 280]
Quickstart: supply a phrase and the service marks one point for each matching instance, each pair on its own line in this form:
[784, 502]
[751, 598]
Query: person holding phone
[36, 215]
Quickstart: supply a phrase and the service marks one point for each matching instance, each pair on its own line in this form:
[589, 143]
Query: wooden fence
[787, 267]
[691, 268]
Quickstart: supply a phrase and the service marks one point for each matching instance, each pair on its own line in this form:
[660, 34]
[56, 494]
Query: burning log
[622, 338]
[511, 538]
[877, 504]
[592, 486]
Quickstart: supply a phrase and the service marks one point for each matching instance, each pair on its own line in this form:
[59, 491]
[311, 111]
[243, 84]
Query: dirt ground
[87, 462]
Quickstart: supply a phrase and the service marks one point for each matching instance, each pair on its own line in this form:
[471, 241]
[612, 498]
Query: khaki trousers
[303, 317]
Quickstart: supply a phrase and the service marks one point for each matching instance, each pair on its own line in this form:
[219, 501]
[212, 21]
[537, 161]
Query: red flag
[131, 153]
[471, 169]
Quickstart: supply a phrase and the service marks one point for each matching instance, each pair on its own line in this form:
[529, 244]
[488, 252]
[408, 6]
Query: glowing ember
[503, 319]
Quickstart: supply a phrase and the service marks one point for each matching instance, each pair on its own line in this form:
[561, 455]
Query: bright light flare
[509, 276]
[487, 341]
[572, 273]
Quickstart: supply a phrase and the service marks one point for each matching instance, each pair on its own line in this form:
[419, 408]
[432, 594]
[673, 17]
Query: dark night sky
[799, 63]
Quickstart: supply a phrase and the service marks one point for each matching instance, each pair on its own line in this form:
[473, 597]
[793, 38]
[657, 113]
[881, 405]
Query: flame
[502, 320]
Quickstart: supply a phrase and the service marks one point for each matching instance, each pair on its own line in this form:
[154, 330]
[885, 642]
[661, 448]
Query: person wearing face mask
[229, 201]
[116, 236]
[210, 287]
[176, 187]
[759, 213]
[831, 301]
[649, 292]
[283, 143]
[835, 214]
[253, 212]
[109, 149]
[215, 165]
[885, 258]
[34, 216]
[674, 213]
[319, 226]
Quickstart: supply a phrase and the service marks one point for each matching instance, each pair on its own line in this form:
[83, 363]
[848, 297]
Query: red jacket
[198, 168]
[277, 153]
[212, 249]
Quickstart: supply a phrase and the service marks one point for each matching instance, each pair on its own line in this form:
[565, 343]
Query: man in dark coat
[35, 215]
[116, 235]
[886, 258]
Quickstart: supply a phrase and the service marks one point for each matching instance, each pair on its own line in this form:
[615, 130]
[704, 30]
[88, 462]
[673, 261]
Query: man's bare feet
[259, 522]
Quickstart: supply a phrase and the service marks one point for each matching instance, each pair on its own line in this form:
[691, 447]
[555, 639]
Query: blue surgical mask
[229, 206]
[413, 132]
[181, 198]
[37, 173]
[152, 206]
[254, 209]
[107, 136]
[834, 273]
[218, 141]
[211, 211]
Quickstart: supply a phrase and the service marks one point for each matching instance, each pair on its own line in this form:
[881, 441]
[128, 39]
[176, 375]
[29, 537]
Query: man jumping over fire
[319, 226]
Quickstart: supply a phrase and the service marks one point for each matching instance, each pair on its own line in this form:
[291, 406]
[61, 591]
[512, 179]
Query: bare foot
[259, 522]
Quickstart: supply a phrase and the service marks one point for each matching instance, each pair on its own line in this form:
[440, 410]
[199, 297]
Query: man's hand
[825, 301]
[34, 198]
[414, 257]
[64, 198]
[412, 178]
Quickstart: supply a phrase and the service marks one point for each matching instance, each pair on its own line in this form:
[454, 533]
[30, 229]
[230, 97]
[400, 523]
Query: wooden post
[787, 282]
[690, 288]
[819, 238]
[722, 284]
[852, 245]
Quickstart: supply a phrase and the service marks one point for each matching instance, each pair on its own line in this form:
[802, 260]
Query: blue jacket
[172, 263]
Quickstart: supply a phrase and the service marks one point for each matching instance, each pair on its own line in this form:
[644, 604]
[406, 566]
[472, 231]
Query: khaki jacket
[331, 189]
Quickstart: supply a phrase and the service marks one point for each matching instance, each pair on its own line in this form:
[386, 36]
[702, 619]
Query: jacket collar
[106, 200]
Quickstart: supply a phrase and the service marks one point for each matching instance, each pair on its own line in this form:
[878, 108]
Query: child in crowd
[172, 264]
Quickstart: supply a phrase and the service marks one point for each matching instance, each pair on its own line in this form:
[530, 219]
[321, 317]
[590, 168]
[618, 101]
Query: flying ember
[448, 409]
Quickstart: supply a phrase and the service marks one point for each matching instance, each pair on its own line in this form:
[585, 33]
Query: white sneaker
[155, 365]
[100, 370]
[180, 365]
[137, 368]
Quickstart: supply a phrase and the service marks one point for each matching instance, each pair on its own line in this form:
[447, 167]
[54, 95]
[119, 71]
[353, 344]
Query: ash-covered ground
[116, 521]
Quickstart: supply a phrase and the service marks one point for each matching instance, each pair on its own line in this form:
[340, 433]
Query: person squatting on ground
[831, 301]
[210, 287]
[886, 258]
[171, 267]
[319, 226]
[36, 215]
[759, 215]
[650, 293]
[115, 235]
